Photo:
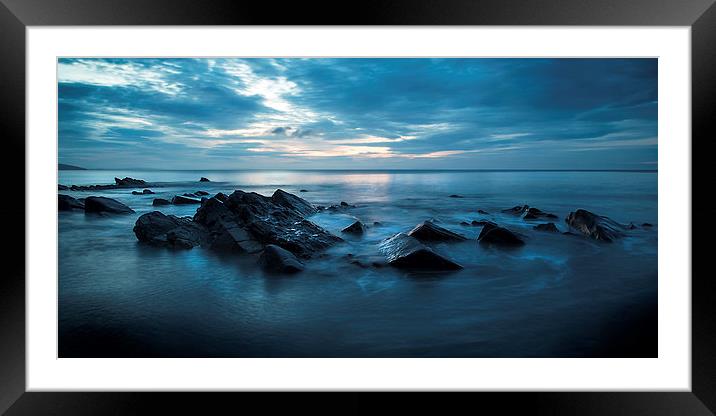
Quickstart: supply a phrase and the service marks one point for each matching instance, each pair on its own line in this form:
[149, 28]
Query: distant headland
[62, 166]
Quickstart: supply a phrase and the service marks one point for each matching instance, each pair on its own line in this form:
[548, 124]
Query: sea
[559, 295]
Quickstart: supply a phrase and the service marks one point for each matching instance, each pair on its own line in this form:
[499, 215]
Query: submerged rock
[516, 210]
[404, 251]
[169, 230]
[428, 231]
[185, 200]
[548, 227]
[456, 196]
[203, 179]
[594, 226]
[127, 181]
[483, 212]
[493, 234]
[161, 201]
[278, 260]
[67, 203]
[303, 190]
[534, 213]
[646, 224]
[355, 228]
[100, 204]
[144, 192]
[62, 187]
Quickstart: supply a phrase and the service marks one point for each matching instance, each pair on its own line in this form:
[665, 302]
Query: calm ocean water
[558, 296]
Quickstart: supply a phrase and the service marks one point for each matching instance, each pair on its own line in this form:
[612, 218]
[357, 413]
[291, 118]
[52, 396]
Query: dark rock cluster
[92, 204]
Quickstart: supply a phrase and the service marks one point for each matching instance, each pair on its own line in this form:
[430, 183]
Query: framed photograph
[491, 198]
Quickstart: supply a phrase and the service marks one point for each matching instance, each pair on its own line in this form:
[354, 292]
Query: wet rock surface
[594, 226]
[127, 181]
[161, 201]
[100, 205]
[535, 213]
[275, 259]
[203, 179]
[67, 203]
[356, 228]
[516, 210]
[185, 200]
[169, 230]
[548, 227]
[143, 192]
[278, 220]
[428, 231]
[493, 234]
[404, 251]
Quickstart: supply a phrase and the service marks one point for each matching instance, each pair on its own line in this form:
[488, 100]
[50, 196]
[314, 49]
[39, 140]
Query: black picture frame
[16, 15]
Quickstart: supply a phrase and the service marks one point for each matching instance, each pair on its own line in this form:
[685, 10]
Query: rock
[303, 190]
[355, 228]
[62, 188]
[160, 201]
[631, 226]
[184, 200]
[492, 234]
[456, 196]
[479, 211]
[481, 223]
[127, 181]
[548, 227]
[279, 220]
[487, 226]
[344, 204]
[290, 201]
[136, 193]
[428, 231]
[516, 210]
[169, 230]
[646, 224]
[594, 226]
[377, 223]
[534, 213]
[147, 192]
[203, 179]
[464, 223]
[278, 260]
[100, 204]
[221, 197]
[201, 193]
[67, 203]
[404, 251]
[191, 195]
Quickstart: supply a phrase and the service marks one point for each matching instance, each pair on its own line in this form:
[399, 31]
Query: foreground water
[558, 296]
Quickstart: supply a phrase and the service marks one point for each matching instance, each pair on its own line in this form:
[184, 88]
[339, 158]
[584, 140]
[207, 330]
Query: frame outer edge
[12, 279]
[12, 117]
[703, 287]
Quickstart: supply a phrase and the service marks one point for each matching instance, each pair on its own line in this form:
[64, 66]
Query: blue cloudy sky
[358, 113]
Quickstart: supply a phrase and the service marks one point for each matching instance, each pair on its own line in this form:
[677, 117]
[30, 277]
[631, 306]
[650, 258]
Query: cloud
[383, 113]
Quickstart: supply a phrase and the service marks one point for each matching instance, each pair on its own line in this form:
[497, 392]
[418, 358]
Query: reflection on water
[557, 296]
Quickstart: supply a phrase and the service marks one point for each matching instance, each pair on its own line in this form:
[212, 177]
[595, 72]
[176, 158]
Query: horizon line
[371, 170]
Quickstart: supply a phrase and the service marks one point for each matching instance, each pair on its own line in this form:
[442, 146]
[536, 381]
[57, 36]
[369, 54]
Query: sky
[359, 113]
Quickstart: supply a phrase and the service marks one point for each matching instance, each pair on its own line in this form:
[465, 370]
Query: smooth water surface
[558, 296]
